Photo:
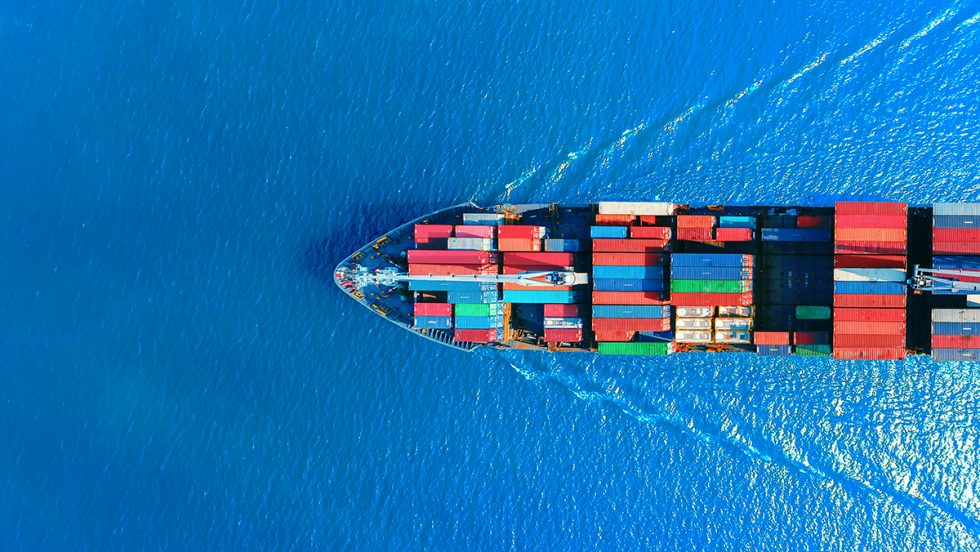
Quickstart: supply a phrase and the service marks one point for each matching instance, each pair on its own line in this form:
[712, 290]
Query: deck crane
[943, 279]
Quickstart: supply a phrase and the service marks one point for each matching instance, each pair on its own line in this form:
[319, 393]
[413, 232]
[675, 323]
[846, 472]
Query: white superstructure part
[869, 275]
[658, 209]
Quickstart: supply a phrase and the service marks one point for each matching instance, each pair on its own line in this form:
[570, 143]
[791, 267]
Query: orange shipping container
[630, 245]
[868, 340]
[871, 234]
[518, 244]
[871, 328]
[696, 221]
[615, 220]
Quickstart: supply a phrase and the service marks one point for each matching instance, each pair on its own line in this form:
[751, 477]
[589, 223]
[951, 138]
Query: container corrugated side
[538, 259]
[475, 244]
[556, 245]
[478, 322]
[736, 221]
[562, 310]
[627, 284]
[812, 350]
[634, 348]
[955, 234]
[477, 309]
[771, 338]
[869, 248]
[651, 232]
[956, 221]
[956, 328]
[813, 312]
[696, 221]
[681, 272]
[609, 232]
[870, 261]
[710, 299]
[869, 328]
[870, 221]
[457, 297]
[953, 248]
[869, 315]
[631, 324]
[956, 315]
[811, 338]
[627, 259]
[869, 275]
[619, 220]
[711, 259]
[562, 335]
[433, 309]
[630, 245]
[475, 231]
[956, 209]
[774, 350]
[564, 323]
[628, 298]
[695, 234]
[955, 341]
[529, 296]
[873, 341]
[478, 336]
[956, 355]
[884, 288]
[710, 286]
[630, 311]
[495, 219]
[866, 300]
[897, 235]
[636, 208]
[655, 272]
[450, 285]
[439, 256]
[517, 244]
[522, 232]
[734, 234]
[843, 353]
[417, 269]
[870, 208]
[796, 234]
[433, 322]
[614, 335]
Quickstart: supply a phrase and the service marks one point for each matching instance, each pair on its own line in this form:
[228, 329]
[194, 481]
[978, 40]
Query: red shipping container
[734, 234]
[811, 221]
[870, 261]
[561, 311]
[433, 309]
[450, 256]
[474, 231]
[628, 298]
[889, 235]
[554, 335]
[864, 300]
[654, 220]
[447, 269]
[655, 232]
[475, 336]
[614, 220]
[696, 234]
[429, 231]
[871, 328]
[631, 324]
[955, 234]
[956, 341]
[695, 221]
[771, 338]
[539, 259]
[869, 247]
[871, 221]
[869, 315]
[629, 245]
[614, 336]
[520, 232]
[515, 244]
[870, 341]
[870, 208]
[811, 338]
[966, 248]
[861, 353]
[627, 259]
[689, 299]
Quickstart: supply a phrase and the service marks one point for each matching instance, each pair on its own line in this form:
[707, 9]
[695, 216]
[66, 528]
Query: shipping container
[630, 245]
[956, 221]
[658, 209]
[870, 221]
[864, 300]
[796, 234]
[436, 256]
[562, 336]
[478, 322]
[627, 284]
[654, 220]
[811, 338]
[695, 221]
[695, 234]
[514, 244]
[425, 232]
[869, 247]
[862, 353]
[807, 312]
[734, 234]
[634, 348]
[710, 299]
[692, 337]
[433, 322]
[897, 235]
[655, 336]
[710, 273]
[628, 298]
[650, 232]
[771, 338]
[544, 296]
[627, 259]
[964, 262]
[478, 336]
[872, 328]
[870, 341]
[869, 275]
[955, 234]
[631, 324]
[870, 261]
[495, 219]
[953, 355]
[728, 310]
[556, 245]
[710, 286]
[711, 259]
[885, 288]
[695, 312]
[475, 231]
[655, 272]
[417, 269]
[869, 315]
[956, 341]
[538, 259]
[812, 350]
[956, 328]
[619, 220]
[953, 248]
[956, 315]
[630, 311]
[870, 208]
[774, 350]
[433, 309]
[609, 232]
[450, 285]
[614, 335]
[561, 311]
[694, 323]
[733, 337]
[736, 221]
[457, 297]
[563, 323]
[477, 309]
[957, 209]
[733, 323]
[522, 232]
[474, 244]
[811, 221]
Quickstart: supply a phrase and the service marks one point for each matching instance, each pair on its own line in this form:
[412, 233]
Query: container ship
[855, 281]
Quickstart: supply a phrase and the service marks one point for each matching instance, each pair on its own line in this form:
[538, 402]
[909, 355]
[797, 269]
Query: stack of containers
[520, 237]
[711, 279]
[956, 241]
[733, 228]
[433, 235]
[438, 316]
[870, 245]
[696, 227]
[479, 322]
[694, 324]
[538, 261]
[443, 262]
[773, 343]
[627, 322]
[955, 334]
[563, 323]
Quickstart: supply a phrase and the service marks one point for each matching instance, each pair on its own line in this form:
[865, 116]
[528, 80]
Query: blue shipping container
[956, 354]
[635, 272]
[623, 284]
[434, 322]
[966, 262]
[956, 209]
[455, 297]
[955, 328]
[449, 285]
[956, 221]
[774, 350]
[729, 221]
[710, 273]
[654, 336]
[609, 232]
[557, 296]
[709, 259]
[873, 288]
[796, 234]
[479, 322]
[630, 311]
[562, 245]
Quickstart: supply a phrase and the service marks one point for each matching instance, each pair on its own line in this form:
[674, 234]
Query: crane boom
[944, 279]
[539, 278]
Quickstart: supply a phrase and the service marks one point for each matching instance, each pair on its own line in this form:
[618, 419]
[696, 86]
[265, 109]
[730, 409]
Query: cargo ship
[852, 281]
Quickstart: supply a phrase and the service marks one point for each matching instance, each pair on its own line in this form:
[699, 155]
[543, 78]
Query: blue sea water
[178, 179]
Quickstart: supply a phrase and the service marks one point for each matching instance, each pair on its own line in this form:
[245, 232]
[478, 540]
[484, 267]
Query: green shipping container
[476, 309]
[633, 348]
[813, 350]
[805, 312]
[710, 286]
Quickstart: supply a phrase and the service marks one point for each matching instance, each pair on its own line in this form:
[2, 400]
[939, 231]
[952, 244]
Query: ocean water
[178, 180]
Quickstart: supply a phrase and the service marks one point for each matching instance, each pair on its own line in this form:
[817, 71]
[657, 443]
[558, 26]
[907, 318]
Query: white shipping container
[733, 337]
[736, 311]
[473, 244]
[695, 312]
[956, 209]
[693, 324]
[483, 218]
[973, 300]
[563, 323]
[692, 337]
[658, 209]
[869, 275]
[956, 315]
[733, 323]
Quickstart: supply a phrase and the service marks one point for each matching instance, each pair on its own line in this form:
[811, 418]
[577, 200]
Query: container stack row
[700, 228]
[956, 240]
[870, 252]
[735, 228]
[563, 323]
[704, 325]
[955, 334]
[629, 250]
[703, 283]
[515, 262]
